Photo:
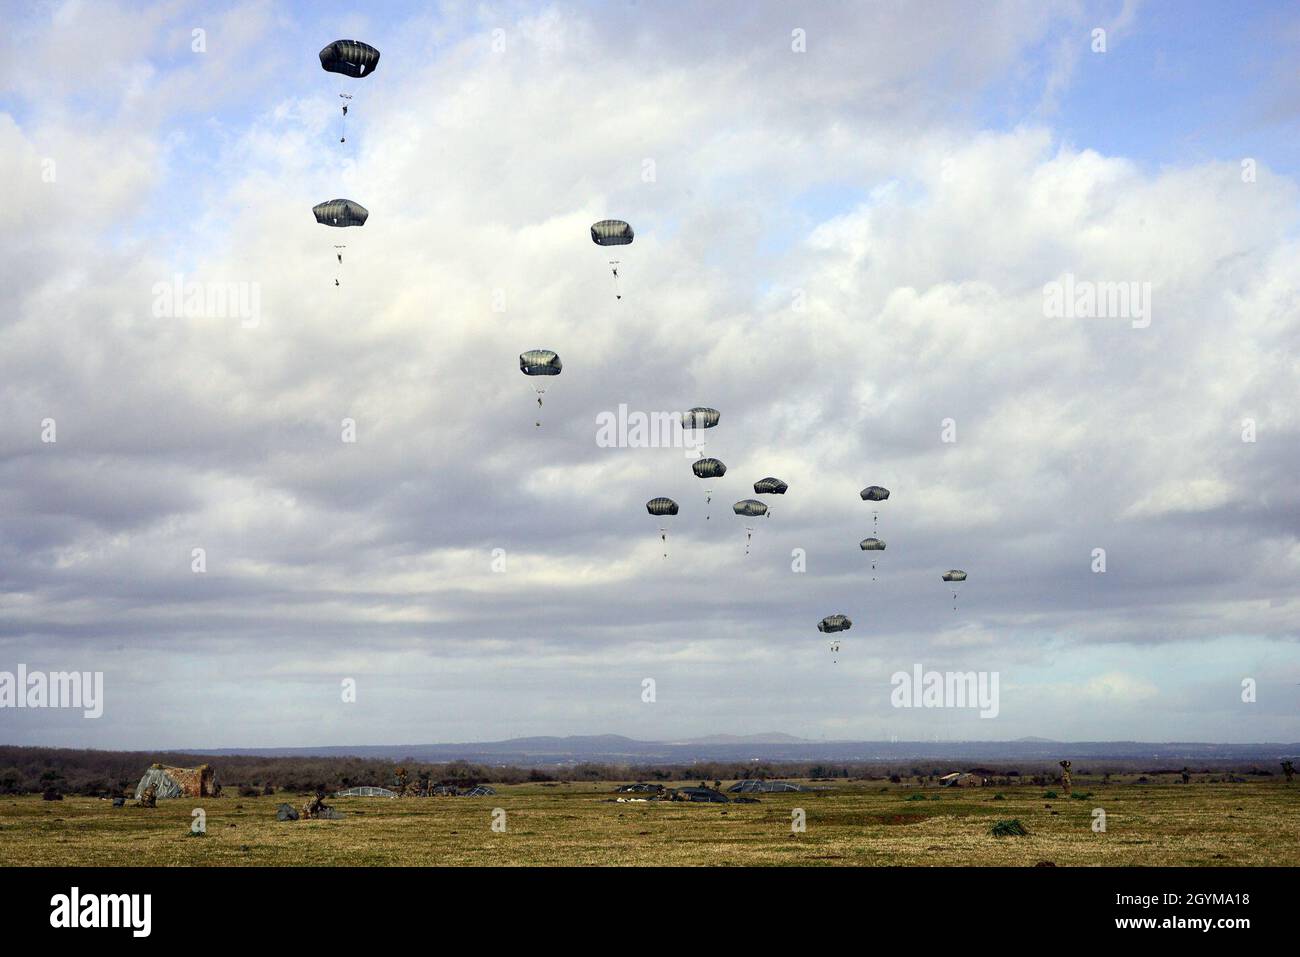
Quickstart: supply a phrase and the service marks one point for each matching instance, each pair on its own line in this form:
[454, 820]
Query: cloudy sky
[848, 218]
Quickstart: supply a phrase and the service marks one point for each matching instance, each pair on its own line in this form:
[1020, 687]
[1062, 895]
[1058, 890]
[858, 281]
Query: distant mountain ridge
[547, 750]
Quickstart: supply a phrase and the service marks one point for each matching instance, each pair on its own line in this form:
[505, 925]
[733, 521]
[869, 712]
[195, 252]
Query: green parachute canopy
[349, 57]
[770, 486]
[611, 232]
[340, 212]
[700, 418]
[955, 575]
[540, 362]
[708, 468]
[833, 623]
[874, 493]
[750, 507]
[661, 506]
[871, 545]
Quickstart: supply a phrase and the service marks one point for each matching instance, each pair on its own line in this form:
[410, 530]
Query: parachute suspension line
[541, 391]
[613, 267]
[663, 536]
[749, 537]
[343, 120]
[708, 499]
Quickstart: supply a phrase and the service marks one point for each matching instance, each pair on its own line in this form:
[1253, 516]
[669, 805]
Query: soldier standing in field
[1065, 777]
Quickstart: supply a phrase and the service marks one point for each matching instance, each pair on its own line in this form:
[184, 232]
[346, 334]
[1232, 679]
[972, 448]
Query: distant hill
[775, 747]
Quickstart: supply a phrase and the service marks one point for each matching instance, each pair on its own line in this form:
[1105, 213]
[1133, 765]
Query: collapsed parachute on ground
[770, 486]
[540, 363]
[753, 786]
[350, 58]
[662, 507]
[612, 232]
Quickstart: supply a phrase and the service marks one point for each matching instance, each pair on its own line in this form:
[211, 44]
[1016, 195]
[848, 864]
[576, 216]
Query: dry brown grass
[866, 823]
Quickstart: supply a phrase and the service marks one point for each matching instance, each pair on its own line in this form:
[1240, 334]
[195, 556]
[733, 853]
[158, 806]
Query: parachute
[874, 493]
[612, 232]
[872, 545]
[663, 507]
[708, 469]
[540, 362]
[750, 508]
[770, 486]
[833, 624]
[699, 418]
[340, 213]
[348, 58]
[955, 576]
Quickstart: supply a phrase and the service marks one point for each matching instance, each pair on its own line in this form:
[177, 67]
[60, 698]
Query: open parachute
[612, 232]
[954, 576]
[749, 508]
[540, 363]
[340, 213]
[348, 58]
[831, 625]
[662, 507]
[708, 469]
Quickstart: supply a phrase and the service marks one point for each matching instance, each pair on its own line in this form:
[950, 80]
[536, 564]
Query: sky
[851, 220]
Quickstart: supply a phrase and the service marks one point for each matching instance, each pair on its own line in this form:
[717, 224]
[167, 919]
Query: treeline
[26, 770]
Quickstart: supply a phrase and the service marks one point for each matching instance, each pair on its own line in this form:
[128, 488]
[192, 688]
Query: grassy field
[860, 823]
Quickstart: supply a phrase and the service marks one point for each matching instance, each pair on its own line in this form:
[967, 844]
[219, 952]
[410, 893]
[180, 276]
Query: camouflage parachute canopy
[708, 468]
[954, 575]
[770, 486]
[871, 545]
[833, 623]
[540, 362]
[751, 507]
[700, 418]
[340, 212]
[611, 232]
[661, 506]
[874, 493]
[349, 57]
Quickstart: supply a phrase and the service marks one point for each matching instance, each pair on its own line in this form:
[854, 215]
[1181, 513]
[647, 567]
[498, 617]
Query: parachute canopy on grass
[540, 362]
[954, 575]
[700, 418]
[611, 232]
[340, 212]
[833, 623]
[750, 507]
[349, 57]
[708, 468]
[871, 545]
[661, 506]
[874, 493]
[770, 486]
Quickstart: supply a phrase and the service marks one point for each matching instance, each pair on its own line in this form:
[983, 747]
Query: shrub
[1011, 828]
